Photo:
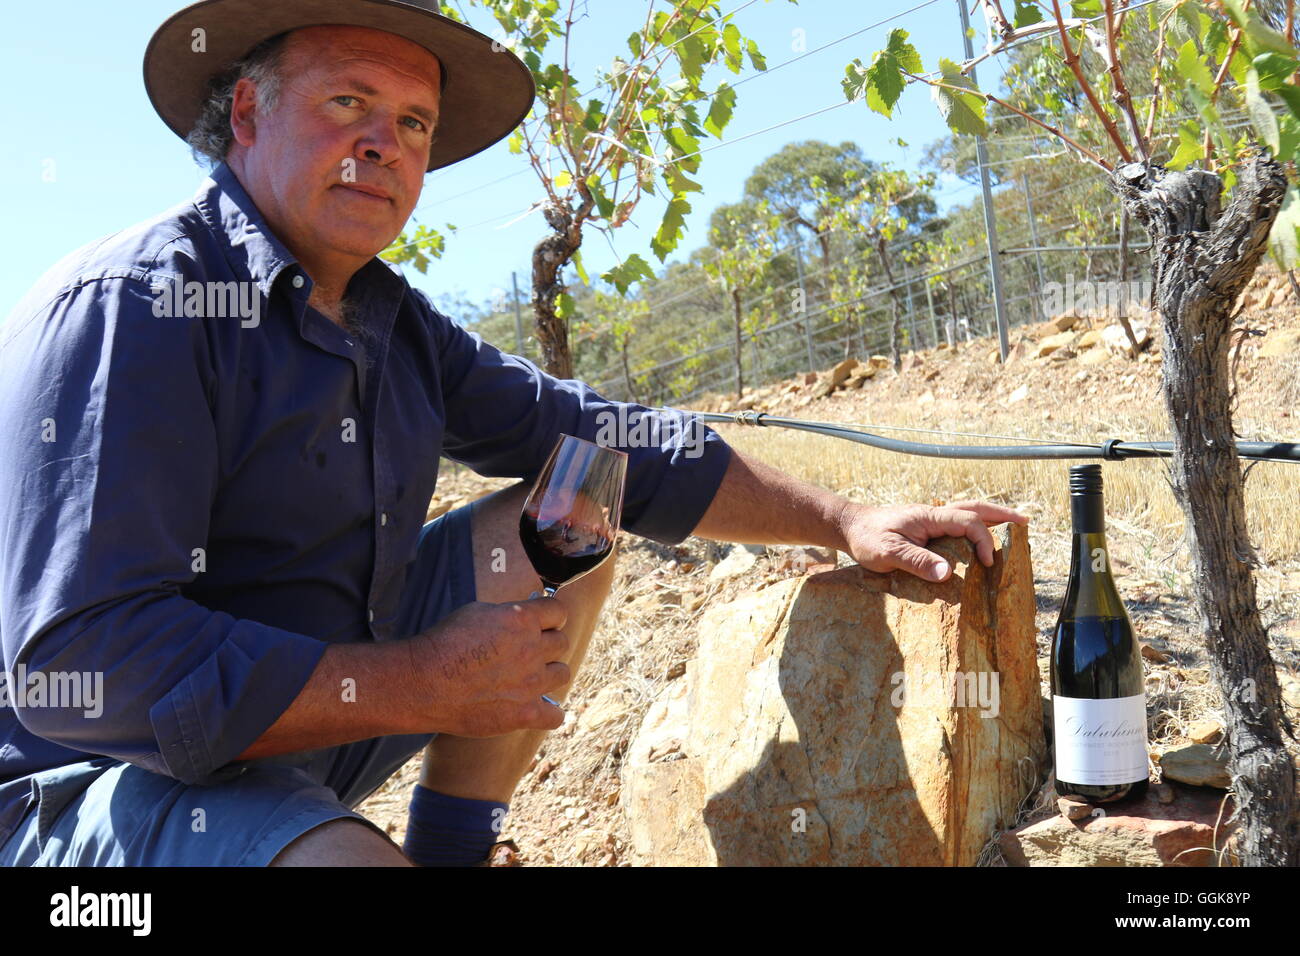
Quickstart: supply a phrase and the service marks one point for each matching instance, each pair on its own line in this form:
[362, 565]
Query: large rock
[813, 727]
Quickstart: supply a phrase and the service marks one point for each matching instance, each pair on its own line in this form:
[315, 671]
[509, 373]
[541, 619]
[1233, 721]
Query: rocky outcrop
[1188, 828]
[848, 718]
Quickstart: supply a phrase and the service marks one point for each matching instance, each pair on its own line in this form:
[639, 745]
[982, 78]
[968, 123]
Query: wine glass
[571, 517]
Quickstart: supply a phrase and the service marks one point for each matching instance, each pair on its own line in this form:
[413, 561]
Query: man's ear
[243, 112]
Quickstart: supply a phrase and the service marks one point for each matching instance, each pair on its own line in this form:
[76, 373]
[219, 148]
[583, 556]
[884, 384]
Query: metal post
[1033, 240]
[911, 320]
[990, 219]
[934, 320]
[519, 318]
[803, 297]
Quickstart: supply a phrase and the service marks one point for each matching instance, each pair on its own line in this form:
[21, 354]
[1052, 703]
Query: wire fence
[1046, 269]
[809, 327]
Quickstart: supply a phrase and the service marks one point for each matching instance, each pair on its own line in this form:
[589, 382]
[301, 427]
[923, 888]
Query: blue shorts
[103, 812]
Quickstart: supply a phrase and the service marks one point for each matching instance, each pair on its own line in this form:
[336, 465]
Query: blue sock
[442, 830]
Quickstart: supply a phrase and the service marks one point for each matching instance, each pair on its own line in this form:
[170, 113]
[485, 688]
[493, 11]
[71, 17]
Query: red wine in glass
[571, 517]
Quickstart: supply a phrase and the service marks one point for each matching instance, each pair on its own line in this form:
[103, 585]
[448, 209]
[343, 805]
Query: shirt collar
[244, 237]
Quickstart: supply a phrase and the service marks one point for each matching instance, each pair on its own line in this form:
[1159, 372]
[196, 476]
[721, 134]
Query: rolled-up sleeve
[108, 473]
[504, 415]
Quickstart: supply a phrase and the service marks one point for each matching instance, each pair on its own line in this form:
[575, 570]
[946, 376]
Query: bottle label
[1100, 741]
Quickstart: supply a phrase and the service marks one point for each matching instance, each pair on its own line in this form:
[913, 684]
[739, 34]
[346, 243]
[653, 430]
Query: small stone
[1205, 731]
[505, 853]
[1155, 654]
[737, 562]
[1196, 764]
[840, 373]
[1019, 395]
[1053, 343]
[1116, 340]
[1291, 692]
[1164, 792]
[1073, 809]
[669, 597]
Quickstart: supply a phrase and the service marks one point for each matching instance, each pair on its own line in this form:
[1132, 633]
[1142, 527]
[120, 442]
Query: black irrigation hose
[1112, 450]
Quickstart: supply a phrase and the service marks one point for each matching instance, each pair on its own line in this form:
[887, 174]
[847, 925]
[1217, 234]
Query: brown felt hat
[487, 89]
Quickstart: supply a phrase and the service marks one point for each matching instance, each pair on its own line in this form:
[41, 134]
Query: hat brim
[489, 90]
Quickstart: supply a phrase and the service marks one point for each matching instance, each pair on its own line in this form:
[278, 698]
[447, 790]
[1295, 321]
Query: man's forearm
[759, 504]
[357, 691]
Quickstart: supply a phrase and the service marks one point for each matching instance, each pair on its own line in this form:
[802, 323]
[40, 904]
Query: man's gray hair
[211, 137]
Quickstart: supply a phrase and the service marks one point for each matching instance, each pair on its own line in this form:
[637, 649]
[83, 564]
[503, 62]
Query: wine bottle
[1099, 720]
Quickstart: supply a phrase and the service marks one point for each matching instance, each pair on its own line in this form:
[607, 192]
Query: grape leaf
[1194, 69]
[630, 270]
[884, 78]
[671, 228]
[1273, 69]
[720, 110]
[963, 112]
[1027, 14]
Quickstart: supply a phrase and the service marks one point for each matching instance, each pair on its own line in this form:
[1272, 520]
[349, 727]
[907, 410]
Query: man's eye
[344, 97]
[419, 126]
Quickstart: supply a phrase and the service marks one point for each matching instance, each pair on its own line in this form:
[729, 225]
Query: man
[219, 431]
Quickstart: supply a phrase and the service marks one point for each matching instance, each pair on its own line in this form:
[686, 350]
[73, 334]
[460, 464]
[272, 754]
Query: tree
[943, 255]
[745, 237]
[1210, 202]
[875, 212]
[803, 180]
[619, 319]
[635, 132]
[785, 181]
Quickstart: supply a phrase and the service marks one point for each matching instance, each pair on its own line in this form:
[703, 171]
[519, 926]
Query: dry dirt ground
[566, 810]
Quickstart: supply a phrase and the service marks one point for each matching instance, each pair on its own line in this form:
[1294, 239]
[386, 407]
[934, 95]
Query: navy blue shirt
[193, 506]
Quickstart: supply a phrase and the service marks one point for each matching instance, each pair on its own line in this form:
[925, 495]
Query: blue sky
[75, 106]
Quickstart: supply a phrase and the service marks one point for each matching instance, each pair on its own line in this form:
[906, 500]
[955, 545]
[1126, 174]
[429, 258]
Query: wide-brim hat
[487, 90]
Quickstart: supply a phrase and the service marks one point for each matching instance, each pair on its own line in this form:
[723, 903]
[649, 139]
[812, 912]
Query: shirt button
[299, 282]
[371, 612]
[383, 518]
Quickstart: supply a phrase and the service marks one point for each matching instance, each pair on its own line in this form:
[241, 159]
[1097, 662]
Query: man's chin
[363, 240]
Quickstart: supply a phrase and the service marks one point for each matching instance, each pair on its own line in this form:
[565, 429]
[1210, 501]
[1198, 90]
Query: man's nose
[379, 143]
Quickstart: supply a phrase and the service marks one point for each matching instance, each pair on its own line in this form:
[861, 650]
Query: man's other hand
[894, 538]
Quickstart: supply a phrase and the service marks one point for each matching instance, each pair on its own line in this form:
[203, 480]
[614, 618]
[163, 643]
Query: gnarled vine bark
[1204, 256]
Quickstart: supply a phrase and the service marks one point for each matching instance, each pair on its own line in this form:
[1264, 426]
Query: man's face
[337, 166]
